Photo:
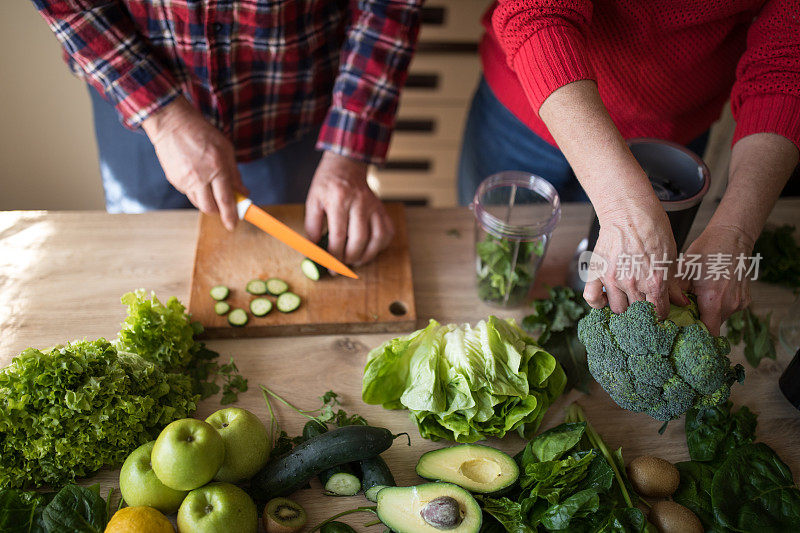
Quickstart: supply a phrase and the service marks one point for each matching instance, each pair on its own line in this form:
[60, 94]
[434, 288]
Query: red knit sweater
[664, 68]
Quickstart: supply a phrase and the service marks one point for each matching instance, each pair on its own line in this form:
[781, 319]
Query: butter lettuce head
[465, 383]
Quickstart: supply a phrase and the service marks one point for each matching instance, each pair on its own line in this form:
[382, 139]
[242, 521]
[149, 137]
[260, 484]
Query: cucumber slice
[260, 306]
[237, 317]
[256, 286]
[219, 292]
[343, 484]
[311, 269]
[222, 308]
[372, 493]
[288, 302]
[276, 286]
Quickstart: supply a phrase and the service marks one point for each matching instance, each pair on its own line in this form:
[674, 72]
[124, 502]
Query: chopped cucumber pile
[256, 286]
[311, 269]
[237, 317]
[276, 286]
[219, 292]
[288, 302]
[260, 306]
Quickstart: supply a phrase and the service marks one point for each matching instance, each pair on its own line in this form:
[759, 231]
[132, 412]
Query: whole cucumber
[375, 471]
[291, 471]
[311, 430]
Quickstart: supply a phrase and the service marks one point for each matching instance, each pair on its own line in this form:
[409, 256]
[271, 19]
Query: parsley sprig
[329, 413]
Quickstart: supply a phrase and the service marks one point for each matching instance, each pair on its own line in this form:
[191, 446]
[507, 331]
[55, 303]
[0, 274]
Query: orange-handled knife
[269, 224]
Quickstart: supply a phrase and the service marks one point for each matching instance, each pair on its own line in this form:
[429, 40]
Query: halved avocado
[415, 509]
[477, 468]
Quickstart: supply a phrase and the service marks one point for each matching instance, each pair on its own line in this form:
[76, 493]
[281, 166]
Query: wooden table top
[62, 273]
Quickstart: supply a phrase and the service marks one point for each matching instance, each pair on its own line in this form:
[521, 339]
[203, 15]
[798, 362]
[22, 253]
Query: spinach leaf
[552, 480]
[508, 513]
[694, 490]
[76, 509]
[714, 432]
[746, 326]
[622, 490]
[20, 511]
[553, 443]
[491, 525]
[578, 505]
[781, 254]
[754, 490]
[612, 519]
[599, 475]
[554, 324]
[506, 268]
[625, 520]
[569, 481]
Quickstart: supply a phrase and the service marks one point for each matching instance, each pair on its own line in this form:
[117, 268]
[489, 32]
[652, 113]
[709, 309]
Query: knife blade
[271, 225]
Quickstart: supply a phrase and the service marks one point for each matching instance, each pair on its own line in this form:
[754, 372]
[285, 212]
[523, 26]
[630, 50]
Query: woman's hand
[639, 250]
[761, 164]
[358, 225]
[719, 298]
[632, 221]
[197, 159]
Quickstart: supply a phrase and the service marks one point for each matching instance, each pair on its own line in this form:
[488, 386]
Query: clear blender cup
[515, 213]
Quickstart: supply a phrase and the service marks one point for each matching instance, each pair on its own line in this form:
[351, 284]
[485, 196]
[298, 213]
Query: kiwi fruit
[670, 517]
[653, 476]
[282, 515]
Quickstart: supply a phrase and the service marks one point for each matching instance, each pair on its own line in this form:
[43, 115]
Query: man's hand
[197, 159]
[717, 299]
[358, 226]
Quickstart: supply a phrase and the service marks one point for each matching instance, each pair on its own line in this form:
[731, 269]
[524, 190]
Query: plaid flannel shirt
[264, 72]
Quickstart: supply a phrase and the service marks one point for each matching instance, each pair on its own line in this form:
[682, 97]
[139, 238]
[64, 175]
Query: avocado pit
[429, 508]
[442, 513]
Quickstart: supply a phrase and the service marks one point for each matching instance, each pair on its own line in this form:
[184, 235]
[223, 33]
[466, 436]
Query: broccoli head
[662, 368]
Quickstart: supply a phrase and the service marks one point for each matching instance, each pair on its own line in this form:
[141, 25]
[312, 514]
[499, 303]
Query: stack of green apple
[191, 468]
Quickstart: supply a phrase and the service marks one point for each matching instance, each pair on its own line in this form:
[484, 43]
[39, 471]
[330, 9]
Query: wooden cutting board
[381, 300]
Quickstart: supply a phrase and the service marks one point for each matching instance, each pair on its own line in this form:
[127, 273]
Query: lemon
[139, 520]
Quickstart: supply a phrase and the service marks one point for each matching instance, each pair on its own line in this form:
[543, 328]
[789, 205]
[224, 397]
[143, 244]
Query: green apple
[218, 508]
[187, 454]
[246, 443]
[140, 486]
